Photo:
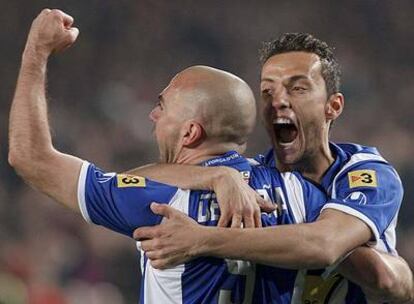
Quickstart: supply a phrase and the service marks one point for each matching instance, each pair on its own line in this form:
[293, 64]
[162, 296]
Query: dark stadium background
[102, 89]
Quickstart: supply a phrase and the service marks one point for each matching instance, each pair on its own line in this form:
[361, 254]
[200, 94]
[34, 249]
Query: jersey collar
[340, 156]
[231, 159]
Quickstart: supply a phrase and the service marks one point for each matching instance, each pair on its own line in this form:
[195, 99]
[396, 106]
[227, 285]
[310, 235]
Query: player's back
[214, 280]
[121, 203]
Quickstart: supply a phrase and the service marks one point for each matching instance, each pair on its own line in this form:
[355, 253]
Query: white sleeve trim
[356, 213]
[81, 191]
[253, 162]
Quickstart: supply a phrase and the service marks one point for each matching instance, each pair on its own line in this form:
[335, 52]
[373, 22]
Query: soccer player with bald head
[301, 99]
[203, 117]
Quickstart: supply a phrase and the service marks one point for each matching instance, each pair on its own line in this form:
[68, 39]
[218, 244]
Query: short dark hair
[304, 42]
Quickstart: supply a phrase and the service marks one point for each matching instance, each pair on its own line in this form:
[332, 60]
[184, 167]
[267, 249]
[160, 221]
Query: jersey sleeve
[119, 202]
[372, 192]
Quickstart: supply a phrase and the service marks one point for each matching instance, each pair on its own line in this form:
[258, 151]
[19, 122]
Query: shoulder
[353, 148]
[368, 178]
[121, 185]
[364, 167]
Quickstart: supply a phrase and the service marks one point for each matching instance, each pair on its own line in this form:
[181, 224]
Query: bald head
[223, 102]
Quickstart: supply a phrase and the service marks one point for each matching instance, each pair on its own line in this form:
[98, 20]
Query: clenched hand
[51, 32]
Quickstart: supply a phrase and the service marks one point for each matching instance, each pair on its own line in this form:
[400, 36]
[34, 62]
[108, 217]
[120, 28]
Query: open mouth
[285, 130]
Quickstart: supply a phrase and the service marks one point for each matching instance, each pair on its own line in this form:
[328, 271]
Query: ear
[334, 106]
[194, 134]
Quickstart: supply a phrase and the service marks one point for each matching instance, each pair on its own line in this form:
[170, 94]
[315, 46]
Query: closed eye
[266, 93]
[297, 88]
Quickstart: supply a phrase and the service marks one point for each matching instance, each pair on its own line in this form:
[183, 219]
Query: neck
[312, 166]
[204, 152]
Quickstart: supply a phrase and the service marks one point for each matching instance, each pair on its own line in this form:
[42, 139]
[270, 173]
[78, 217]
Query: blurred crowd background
[102, 90]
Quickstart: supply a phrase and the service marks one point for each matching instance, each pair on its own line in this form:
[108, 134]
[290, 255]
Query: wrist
[221, 177]
[204, 245]
[35, 54]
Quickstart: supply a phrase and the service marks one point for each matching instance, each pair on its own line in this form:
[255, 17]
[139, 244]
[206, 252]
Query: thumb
[264, 205]
[73, 33]
[70, 37]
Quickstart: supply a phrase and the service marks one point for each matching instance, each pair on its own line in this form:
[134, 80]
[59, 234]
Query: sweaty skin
[292, 87]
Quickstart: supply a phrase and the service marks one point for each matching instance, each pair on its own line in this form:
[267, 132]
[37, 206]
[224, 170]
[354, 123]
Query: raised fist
[51, 32]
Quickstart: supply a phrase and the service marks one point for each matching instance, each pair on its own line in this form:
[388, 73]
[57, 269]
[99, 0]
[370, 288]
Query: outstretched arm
[237, 201]
[311, 245]
[31, 151]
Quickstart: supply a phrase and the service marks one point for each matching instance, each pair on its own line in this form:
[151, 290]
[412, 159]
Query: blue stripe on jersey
[204, 280]
[378, 204]
[384, 239]
[142, 293]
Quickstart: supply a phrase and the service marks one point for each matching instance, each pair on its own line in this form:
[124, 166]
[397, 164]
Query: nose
[153, 115]
[280, 101]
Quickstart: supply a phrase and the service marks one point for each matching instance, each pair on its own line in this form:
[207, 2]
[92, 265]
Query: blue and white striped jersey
[121, 203]
[363, 184]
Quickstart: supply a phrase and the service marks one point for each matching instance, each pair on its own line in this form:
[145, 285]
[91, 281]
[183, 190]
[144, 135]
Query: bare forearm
[275, 246]
[237, 201]
[182, 176]
[29, 129]
[383, 277]
[310, 245]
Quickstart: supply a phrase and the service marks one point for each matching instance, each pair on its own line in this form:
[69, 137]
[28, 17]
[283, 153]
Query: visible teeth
[281, 120]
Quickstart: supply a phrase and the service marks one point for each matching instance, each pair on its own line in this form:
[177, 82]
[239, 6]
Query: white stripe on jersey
[81, 191]
[390, 237]
[295, 197]
[296, 202]
[253, 162]
[165, 286]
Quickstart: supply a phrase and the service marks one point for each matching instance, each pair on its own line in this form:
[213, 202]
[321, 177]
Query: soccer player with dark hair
[203, 117]
[301, 99]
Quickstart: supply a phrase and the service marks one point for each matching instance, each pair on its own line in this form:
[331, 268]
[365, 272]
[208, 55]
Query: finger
[154, 254]
[145, 233]
[224, 221]
[45, 11]
[162, 209]
[257, 219]
[67, 19]
[159, 263]
[148, 245]
[248, 221]
[236, 221]
[264, 205]
[73, 34]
